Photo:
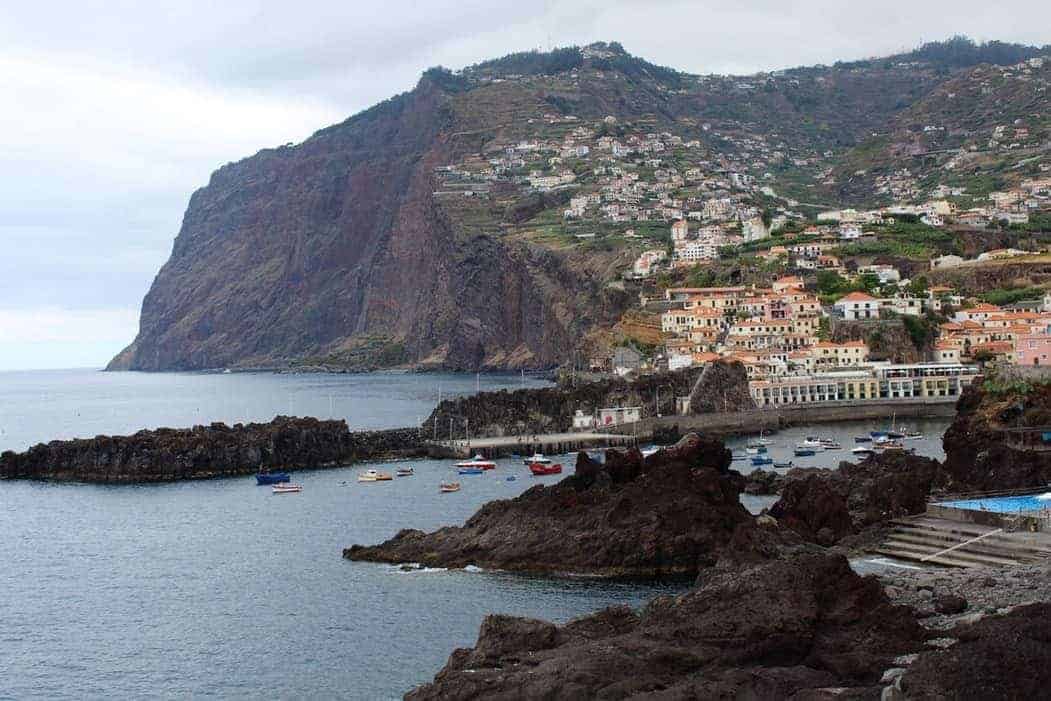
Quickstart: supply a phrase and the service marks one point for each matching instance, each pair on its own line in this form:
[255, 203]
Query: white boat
[862, 451]
[446, 487]
[537, 459]
[478, 461]
[369, 476]
[287, 488]
[755, 450]
[405, 472]
[646, 452]
[761, 440]
[811, 442]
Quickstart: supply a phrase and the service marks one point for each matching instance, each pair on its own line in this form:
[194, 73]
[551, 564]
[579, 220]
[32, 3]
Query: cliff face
[335, 252]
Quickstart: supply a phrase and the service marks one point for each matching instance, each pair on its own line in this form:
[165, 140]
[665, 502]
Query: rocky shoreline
[204, 452]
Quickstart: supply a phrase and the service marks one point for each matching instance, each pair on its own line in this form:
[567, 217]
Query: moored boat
[755, 449]
[449, 487]
[537, 459]
[286, 488]
[811, 442]
[265, 477]
[864, 452]
[862, 439]
[479, 462]
[540, 469]
[405, 472]
[470, 471]
[783, 465]
[762, 460]
[803, 451]
[374, 476]
[829, 444]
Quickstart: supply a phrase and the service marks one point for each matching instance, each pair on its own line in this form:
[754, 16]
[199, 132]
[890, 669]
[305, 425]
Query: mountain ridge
[350, 250]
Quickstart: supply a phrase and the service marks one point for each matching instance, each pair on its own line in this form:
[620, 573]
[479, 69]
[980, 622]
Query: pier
[551, 444]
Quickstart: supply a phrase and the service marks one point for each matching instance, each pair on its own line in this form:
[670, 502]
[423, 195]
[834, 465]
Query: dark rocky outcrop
[551, 409]
[763, 482]
[670, 514]
[722, 386]
[795, 626]
[825, 506]
[202, 452]
[1000, 657]
[987, 446]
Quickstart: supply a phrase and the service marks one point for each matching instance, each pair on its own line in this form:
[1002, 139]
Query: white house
[619, 415]
[857, 305]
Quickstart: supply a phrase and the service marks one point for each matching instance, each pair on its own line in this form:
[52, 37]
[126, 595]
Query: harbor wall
[202, 452]
[747, 422]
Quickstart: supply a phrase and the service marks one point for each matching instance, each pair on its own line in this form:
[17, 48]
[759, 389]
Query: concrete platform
[939, 541]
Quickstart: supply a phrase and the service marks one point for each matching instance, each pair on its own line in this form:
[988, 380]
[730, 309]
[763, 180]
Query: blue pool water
[1004, 505]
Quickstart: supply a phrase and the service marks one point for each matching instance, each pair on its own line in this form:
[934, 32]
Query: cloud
[49, 337]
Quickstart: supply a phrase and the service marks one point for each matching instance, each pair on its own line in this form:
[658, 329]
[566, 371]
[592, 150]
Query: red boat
[540, 469]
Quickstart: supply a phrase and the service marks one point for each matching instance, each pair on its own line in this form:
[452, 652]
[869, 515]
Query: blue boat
[272, 478]
[511, 478]
[862, 439]
[762, 460]
[470, 471]
[878, 434]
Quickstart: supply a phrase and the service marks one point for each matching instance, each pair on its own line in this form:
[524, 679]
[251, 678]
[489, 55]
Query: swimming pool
[1004, 505]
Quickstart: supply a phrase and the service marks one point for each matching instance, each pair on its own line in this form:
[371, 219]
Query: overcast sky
[114, 111]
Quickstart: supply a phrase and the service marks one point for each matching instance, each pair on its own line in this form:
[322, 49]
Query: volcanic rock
[788, 627]
[670, 514]
[217, 450]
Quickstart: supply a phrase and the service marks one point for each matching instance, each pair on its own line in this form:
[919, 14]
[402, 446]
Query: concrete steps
[949, 543]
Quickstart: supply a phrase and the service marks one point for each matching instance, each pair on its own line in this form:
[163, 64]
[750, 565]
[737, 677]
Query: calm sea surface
[220, 588]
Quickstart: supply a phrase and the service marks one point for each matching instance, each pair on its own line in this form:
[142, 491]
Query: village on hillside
[824, 281]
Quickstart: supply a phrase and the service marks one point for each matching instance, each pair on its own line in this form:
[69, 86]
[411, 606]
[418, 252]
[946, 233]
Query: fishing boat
[913, 435]
[803, 452]
[755, 450]
[374, 476]
[449, 487]
[537, 459]
[762, 460]
[405, 472]
[478, 461]
[877, 434]
[286, 488]
[540, 469]
[829, 444]
[783, 465]
[888, 444]
[862, 439]
[470, 471]
[811, 442]
[864, 452]
[265, 477]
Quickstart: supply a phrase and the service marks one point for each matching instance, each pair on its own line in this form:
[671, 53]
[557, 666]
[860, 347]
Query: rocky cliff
[669, 515]
[995, 441]
[336, 253]
[210, 451]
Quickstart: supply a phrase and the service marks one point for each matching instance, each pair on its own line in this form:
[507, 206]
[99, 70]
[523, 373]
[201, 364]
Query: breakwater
[202, 452]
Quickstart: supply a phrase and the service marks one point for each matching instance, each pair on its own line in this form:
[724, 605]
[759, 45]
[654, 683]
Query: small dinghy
[783, 465]
[405, 472]
[470, 471]
[446, 487]
[287, 488]
[804, 452]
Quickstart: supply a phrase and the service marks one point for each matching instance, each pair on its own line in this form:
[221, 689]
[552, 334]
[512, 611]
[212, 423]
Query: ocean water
[221, 589]
[39, 406]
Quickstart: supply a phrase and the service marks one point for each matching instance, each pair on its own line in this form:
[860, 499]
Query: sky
[113, 111]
